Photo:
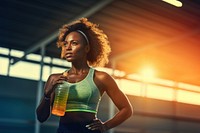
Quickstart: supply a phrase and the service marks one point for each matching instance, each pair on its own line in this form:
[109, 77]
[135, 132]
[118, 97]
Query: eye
[64, 44]
[74, 42]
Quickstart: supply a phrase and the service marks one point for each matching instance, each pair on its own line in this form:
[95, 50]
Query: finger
[97, 125]
[94, 126]
[59, 81]
[96, 122]
[62, 76]
[55, 83]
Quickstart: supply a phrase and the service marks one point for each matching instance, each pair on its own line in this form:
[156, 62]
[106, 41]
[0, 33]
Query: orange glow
[130, 87]
[160, 92]
[189, 87]
[147, 74]
[188, 97]
[186, 93]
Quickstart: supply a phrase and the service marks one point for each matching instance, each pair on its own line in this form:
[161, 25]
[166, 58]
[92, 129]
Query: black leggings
[75, 128]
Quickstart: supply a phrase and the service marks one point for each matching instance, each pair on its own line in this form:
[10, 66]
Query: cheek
[78, 51]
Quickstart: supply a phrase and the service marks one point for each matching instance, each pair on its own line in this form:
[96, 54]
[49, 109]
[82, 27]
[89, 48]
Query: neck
[79, 68]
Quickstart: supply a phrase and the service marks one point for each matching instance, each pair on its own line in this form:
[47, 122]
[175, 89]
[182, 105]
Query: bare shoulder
[104, 81]
[101, 75]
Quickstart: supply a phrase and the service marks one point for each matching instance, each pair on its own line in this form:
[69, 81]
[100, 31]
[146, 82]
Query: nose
[68, 47]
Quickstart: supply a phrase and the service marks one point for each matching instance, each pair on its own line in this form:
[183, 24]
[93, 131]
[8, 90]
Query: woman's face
[75, 47]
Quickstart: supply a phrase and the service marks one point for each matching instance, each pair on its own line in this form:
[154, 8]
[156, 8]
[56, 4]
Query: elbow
[130, 111]
[41, 118]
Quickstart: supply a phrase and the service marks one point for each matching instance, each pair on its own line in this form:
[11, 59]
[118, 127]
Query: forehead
[74, 35]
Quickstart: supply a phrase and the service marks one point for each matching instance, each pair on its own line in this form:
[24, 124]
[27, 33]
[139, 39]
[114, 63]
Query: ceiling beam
[47, 40]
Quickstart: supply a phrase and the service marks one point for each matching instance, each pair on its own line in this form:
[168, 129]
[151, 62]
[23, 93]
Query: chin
[69, 59]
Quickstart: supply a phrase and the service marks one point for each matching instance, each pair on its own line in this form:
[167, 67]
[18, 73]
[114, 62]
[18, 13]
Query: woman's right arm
[43, 111]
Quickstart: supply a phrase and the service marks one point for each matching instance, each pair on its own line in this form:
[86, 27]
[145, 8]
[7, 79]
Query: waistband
[79, 108]
[75, 127]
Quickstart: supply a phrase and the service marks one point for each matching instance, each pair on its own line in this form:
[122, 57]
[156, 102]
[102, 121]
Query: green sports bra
[84, 96]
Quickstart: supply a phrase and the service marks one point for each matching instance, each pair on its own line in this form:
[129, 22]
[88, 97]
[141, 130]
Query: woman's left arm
[107, 84]
[119, 99]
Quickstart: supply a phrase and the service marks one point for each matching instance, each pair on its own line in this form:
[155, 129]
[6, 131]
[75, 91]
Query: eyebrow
[71, 41]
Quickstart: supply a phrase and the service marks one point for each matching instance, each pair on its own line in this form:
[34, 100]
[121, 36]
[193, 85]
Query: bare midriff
[76, 117]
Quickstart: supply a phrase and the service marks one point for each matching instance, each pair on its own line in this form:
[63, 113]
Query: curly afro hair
[98, 40]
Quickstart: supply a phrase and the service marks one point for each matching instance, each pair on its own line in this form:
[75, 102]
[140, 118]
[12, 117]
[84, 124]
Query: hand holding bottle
[54, 81]
[60, 99]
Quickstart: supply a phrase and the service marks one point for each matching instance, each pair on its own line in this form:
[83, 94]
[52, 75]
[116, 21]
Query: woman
[85, 46]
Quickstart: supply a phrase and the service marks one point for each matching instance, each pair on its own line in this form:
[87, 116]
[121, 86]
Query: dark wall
[17, 105]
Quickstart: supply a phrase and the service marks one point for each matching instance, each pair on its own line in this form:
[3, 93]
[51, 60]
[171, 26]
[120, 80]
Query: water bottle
[60, 100]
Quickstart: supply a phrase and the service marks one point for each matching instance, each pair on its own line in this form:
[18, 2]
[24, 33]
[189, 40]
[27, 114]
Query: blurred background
[154, 59]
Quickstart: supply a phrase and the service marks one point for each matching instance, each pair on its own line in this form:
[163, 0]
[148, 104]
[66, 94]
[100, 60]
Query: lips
[68, 55]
